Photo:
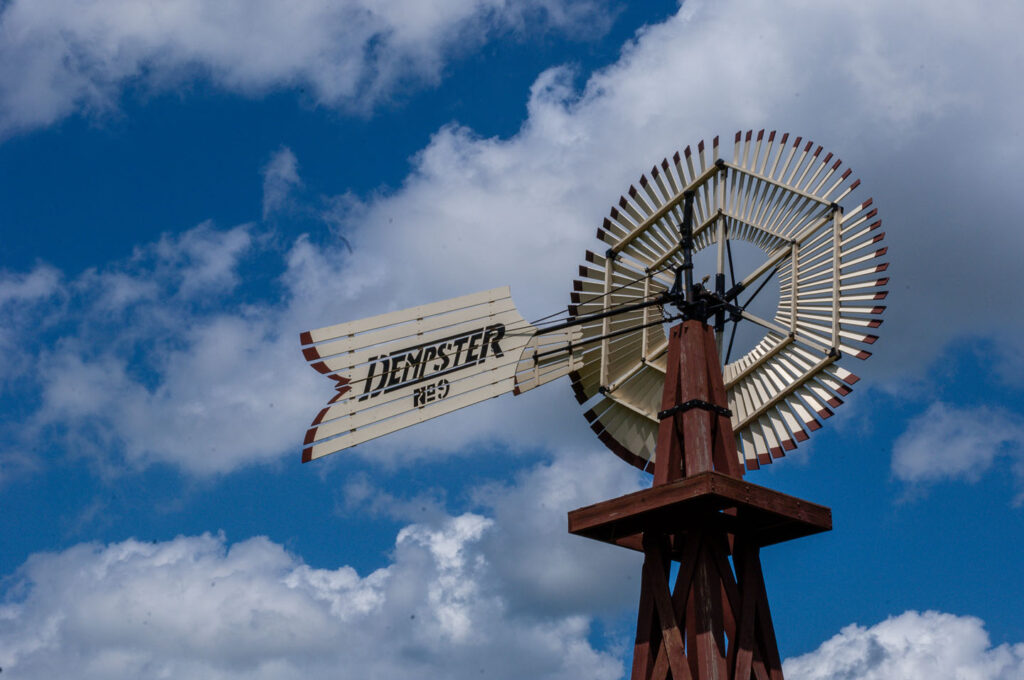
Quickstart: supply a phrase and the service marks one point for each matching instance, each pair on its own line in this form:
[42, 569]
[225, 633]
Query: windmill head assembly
[646, 344]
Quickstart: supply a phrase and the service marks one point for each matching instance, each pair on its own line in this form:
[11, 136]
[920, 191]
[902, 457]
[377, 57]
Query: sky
[185, 186]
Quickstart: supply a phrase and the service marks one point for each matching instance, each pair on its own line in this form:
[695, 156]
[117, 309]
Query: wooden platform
[705, 501]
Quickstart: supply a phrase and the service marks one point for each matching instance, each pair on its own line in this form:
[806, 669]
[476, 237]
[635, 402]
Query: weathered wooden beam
[767, 516]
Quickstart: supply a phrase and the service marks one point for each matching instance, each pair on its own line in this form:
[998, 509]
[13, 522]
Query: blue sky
[185, 186]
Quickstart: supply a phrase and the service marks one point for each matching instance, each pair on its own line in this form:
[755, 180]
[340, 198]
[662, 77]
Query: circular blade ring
[794, 203]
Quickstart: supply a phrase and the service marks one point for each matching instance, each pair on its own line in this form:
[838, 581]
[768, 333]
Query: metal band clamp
[694, 403]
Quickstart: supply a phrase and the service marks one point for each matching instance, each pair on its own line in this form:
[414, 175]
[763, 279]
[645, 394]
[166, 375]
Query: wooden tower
[714, 622]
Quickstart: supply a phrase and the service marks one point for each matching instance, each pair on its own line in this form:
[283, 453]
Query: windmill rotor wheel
[795, 204]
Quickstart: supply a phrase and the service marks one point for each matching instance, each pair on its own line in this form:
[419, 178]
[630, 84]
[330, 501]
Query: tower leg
[648, 632]
[713, 623]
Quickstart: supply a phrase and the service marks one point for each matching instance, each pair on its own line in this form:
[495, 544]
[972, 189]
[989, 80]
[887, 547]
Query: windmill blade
[790, 199]
[398, 369]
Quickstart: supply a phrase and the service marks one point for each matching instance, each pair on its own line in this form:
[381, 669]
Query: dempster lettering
[413, 365]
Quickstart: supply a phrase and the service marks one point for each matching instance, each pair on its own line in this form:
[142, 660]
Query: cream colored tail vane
[780, 194]
[401, 368]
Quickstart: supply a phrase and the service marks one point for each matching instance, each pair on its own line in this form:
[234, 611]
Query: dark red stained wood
[711, 601]
[726, 458]
[730, 592]
[660, 669]
[648, 636]
[696, 501]
[691, 634]
[743, 657]
[759, 668]
[739, 612]
[710, 647]
[634, 542]
[698, 512]
[697, 445]
[680, 594]
[687, 564]
[666, 614]
[770, 645]
[668, 459]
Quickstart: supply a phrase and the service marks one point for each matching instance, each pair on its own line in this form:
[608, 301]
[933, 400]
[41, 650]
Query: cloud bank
[206, 608]
[949, 442]
[480, 212]
[62, 56]
[930, 645]
[461, 595]
[153, 359]
[197, 607]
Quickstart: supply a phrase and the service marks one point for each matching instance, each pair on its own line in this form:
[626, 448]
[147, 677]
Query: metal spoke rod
[632, 329]
[661, 299]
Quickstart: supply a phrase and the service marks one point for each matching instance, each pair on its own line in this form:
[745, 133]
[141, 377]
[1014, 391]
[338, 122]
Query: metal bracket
[694, 403]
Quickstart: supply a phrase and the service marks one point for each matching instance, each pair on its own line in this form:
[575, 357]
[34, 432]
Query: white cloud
[876, 84]
[886, 86]
[226, 399]
[201, 607]
[59, 56]
[929, 645]
[22, 297]
[197, 607]
[547, 569]
[40, 283]
[148, 365]
[204, 260]
[16, 464]
[946, 442]
[280, 177]
[536, 566]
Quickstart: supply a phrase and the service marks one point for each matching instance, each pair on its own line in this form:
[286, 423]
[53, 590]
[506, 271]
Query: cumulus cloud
[203, 607]
[536, 565]
[549, 570]
[22, 297]
[198, 607]
[59, 56]
[40, 283]
[478, 212]
[152, 360]
[947, 442]
[16, 464]
[930, 645]
[475, 213]
[280, 177]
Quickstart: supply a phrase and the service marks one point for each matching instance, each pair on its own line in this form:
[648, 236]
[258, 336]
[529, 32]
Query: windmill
[676, 404]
